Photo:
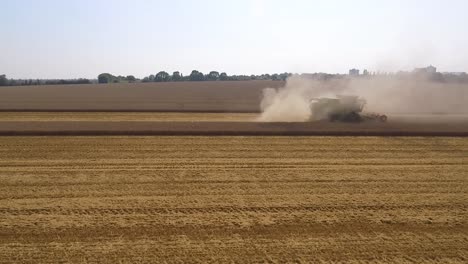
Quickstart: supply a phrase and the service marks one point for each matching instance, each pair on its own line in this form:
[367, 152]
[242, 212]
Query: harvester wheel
[383, 118]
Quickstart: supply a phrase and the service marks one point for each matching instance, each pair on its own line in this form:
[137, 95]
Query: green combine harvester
[342, 109]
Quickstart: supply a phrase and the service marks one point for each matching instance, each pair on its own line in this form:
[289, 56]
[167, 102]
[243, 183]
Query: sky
[82, 38]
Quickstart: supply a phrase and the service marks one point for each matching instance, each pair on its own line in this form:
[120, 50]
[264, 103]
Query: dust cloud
[384, 95]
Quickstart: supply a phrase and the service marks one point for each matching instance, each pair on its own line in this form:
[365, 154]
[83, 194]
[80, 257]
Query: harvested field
[212, 96]
[126, 116]
[77, 128]
[233, 96]
[194, 117]
[233, 199]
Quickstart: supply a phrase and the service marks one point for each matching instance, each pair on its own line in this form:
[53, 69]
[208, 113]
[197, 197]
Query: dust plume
[384, 94]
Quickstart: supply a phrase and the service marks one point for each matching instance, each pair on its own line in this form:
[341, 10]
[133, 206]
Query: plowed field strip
[145, 128]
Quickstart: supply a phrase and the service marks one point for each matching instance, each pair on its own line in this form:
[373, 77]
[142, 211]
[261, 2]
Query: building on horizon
[455, 73]
[354, 72]
[429, 69]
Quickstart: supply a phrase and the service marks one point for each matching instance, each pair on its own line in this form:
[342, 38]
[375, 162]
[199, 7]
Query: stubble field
[240, 199]
[126, 117]
[216, 124]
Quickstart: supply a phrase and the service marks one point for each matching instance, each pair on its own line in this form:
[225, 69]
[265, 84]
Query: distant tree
[284, 76]
[162, 76]
[81, 81]
[275, 77]
[62, 81]
[106, 78]
[194, 75]
[197, 76]
[201, 76]
[213, 76]
[223, 76]
[185, 78]
[151, 78]
[176, 76]
[131, 78]
[3, 80]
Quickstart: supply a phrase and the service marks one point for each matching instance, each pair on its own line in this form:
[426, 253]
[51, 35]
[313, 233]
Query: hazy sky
[82, 38]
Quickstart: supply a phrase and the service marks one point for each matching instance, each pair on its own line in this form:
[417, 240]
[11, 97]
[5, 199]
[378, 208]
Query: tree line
[195, 76]
[4, 81]
[162, 76]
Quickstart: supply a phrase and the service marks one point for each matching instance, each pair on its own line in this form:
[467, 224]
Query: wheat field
[233, 199]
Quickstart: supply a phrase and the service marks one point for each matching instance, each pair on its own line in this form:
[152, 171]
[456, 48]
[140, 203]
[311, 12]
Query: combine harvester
[342, 109]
